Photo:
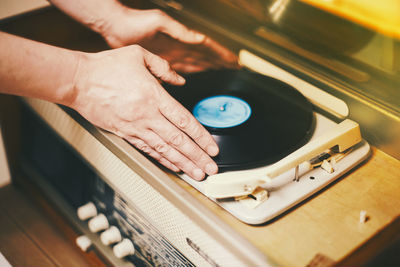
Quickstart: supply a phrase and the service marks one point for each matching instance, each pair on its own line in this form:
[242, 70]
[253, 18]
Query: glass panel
[337, 51]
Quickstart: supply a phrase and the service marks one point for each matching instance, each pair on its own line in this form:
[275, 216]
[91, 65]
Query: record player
[80, 167]
[254, 184]
[231, 190]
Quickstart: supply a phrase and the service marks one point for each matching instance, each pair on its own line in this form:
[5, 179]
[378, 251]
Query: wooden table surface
[32, 234]
[328, 222]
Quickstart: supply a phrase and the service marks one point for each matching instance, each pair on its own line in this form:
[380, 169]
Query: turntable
[275, 149]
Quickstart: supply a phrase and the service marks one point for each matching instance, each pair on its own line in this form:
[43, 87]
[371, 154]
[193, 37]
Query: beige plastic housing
[232, 184]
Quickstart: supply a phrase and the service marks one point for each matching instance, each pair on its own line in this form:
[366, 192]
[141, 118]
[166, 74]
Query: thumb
[161, 69]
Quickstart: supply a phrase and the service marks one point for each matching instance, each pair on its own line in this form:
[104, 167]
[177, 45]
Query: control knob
[98, 223]
[124, 248]
[110, 236]
[83, 242]
[87, 211]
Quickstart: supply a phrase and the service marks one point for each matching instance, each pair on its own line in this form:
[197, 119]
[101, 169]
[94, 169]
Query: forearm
[32, 69]
[97, 15]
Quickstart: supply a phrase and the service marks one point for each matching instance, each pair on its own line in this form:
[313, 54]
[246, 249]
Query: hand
[187, 58]
[131, 26]
[118, 91]
[121, 26]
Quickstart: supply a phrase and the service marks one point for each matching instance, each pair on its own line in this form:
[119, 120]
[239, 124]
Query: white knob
[110, 236]
[98, 223]
[124, 248]
[83, 242]
[87, 211]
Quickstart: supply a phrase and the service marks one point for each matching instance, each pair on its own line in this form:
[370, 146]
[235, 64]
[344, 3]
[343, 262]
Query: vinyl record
[255, 120]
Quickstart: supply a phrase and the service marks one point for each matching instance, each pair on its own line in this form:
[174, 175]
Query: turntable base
[328, 223]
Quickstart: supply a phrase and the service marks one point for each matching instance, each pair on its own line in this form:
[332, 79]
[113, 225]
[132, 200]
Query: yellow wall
[382, 16]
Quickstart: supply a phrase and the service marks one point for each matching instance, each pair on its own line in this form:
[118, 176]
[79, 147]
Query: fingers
[141, 145]
[173, 149]
[171, 154]
[179, 31]
[184, 121]
[161, 69]
[225, 54]
[183, 34]
[177, 139]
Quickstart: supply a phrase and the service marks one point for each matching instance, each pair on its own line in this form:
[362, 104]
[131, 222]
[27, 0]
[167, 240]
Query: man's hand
[186, 58]
[122, 26]
[118, 90]
[131, 26]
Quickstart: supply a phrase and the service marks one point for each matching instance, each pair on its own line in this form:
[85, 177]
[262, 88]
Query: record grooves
[255, 120]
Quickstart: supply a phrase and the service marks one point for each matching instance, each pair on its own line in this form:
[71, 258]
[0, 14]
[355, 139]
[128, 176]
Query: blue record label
[222, 111]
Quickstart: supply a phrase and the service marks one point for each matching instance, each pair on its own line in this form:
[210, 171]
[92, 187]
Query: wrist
[109, 25]
[99, 16]
[70, 95]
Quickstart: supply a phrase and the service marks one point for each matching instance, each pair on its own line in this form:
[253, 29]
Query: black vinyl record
[270, 119]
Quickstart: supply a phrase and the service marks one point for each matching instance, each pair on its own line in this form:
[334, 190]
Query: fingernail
[198, 174]
[199, 37]
[175, 169]
[181, 79]
[212, 150]
[211, 168]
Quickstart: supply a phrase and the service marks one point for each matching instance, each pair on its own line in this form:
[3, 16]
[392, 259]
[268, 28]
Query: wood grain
[12, 237]
[29, 238]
